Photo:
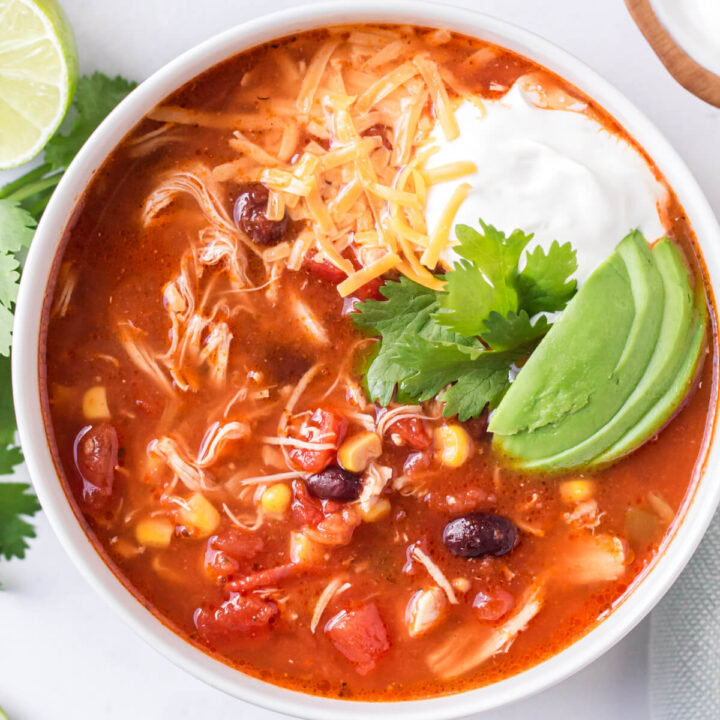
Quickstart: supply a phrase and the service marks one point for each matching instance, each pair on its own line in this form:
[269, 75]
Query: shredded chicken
[215, 439]
[133, 340]
[193, 477]
[472, 646]
[374, 481]
[592, 558]
[435, 573]
[333, 588]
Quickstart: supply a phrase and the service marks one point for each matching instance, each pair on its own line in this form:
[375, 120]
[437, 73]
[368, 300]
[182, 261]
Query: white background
[63, 653]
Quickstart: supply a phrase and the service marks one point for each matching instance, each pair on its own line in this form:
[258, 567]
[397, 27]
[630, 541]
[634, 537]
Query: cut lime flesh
[38, 74]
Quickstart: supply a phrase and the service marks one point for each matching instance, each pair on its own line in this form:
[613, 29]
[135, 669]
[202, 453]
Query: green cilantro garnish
[459, 344]
[21, 204]
[96, 95]
[16, 502]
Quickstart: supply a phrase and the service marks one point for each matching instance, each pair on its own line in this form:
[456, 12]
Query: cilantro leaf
[10, 454]
[96, 95]
[406, 312]
[431, 341]
[484, 281]
[16, 502]
[513, 331]
[476, 377]
[544, 284]
[16, 232]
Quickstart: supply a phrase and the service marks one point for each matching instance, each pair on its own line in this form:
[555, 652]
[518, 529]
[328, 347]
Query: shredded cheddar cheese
[368, 273]
[441, 234]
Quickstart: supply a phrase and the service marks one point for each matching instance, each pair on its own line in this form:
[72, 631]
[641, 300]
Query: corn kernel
[452, 445]
[576, 491]
[95, 404]
[276, 499]
[378, 511]
[303, 550]
[357, 451]
[154, 532]
[200, 516]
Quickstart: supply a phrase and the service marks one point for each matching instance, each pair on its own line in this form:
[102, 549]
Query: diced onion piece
[441, 233]
[155, 532]
[314, 74]
[200, 515]
[439, 96]
[450, 171]
[95, 404]
[368, 273]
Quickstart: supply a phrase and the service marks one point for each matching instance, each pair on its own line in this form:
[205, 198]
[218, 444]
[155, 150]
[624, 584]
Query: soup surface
[207, 380]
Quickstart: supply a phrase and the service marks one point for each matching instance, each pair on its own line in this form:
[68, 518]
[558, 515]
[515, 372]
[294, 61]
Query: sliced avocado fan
[612, 369]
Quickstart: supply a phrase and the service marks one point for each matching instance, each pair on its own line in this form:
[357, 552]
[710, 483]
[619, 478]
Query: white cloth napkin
[685, 640]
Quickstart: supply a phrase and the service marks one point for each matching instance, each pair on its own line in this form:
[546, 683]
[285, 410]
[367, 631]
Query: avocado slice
[660, 413]
[565, 363]
[677, 318]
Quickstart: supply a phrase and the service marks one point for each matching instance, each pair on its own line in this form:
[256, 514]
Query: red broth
[246, 578]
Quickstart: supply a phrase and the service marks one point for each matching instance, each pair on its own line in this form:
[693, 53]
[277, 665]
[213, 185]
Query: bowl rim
[27, 370]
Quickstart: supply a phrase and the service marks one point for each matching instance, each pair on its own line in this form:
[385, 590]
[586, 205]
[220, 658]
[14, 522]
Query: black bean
[335, 483]
[479, 534]
[250, 217]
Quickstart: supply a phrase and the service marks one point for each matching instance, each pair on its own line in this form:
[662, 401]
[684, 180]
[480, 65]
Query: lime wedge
[3, 715]
[38, 72]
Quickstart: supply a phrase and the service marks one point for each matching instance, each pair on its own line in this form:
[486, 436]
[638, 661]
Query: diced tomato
[412, 432]
[493, 605]
[324, 426]
[325, 270]
[307, 509]
[370, 290]
[270, 577]
[328, 272]
[360, 635]
[225, 552]
[239, 617]
[460, 502]
[96, 455]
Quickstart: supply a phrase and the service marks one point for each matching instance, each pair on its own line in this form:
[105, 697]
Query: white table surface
[63, 653]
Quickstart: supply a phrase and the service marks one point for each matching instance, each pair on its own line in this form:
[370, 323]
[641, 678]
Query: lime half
[38, 73]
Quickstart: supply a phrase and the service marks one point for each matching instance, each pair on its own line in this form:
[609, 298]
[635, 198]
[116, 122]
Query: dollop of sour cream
[555, 173]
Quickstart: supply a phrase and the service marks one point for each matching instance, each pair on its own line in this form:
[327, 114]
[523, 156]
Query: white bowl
[27, 365]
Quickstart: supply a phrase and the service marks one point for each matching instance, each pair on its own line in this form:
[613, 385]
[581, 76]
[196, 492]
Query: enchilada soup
[255, 417]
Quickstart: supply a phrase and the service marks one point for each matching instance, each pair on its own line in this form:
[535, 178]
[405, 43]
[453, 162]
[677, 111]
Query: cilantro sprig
[16, 503]
[460, 344]
[22, 203]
